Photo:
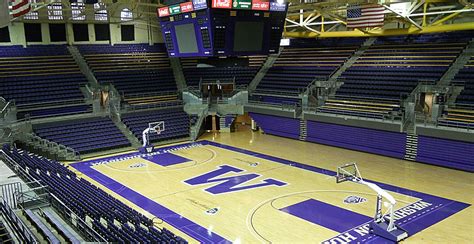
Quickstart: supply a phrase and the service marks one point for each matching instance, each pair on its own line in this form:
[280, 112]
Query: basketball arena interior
[236, 121]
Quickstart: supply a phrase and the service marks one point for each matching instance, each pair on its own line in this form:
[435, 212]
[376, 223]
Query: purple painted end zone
[326, 215]
[166, 159]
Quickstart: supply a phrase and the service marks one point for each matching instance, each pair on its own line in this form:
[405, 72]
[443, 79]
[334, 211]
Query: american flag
[367, 15]
[20, 7]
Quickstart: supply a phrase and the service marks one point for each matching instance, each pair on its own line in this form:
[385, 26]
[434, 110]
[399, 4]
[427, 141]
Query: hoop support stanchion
[380, 225]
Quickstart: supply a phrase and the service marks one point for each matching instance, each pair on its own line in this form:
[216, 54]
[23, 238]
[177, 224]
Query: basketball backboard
[157, 127]
[348, 172]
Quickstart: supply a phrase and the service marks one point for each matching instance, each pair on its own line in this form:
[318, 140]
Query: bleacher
[41, 227]
[391, 69]
[140, 72]
[123, 224]
[458, 117]
[243, 75]
[298, 65]
[177, 123]
[4, 235]
[85, 136]
[465, 77]
[462, 114]
[40, 78]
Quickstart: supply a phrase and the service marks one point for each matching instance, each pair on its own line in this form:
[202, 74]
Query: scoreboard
[222, 27]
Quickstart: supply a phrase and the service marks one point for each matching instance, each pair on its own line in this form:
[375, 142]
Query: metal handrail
[155, 105]
[282, 106]
[359, 115]
[84, 226]
[52, 145]
[51, 103]
[29, 180]
[356, 98]
[275, 92]
[22, 229]
[148, 94]
[7, 106]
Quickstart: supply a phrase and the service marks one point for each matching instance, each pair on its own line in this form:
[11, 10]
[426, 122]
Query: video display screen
[186, 37]
[248, 36]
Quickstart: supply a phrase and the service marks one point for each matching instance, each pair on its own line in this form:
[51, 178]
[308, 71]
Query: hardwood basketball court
[250, 187]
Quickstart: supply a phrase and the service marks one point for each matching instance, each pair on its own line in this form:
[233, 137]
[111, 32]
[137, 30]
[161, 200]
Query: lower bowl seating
[85, 136]
[458, 117]
[90, 202]
[176, 123]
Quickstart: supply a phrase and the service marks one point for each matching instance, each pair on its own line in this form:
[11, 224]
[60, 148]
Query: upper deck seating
[390, 69]
[135, 70]
[302, 62]
[40, 76]
[465, 77]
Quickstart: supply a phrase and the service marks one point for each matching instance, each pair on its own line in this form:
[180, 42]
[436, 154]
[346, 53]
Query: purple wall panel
[368, 140]
[279, 126]
[448, 153]
[441, 152]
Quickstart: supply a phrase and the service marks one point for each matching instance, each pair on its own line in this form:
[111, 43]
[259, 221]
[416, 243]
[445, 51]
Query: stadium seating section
[466, 77]
[141, 73]
[390, 70]
[41, 78]
[85, 136]
[177, 123]
[243, 75]
[462, 115]
[458, 117]
[298, 65]
[111, 218]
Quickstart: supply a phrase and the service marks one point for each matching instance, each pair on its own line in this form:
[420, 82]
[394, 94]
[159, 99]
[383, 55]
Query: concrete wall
[370, 124]
[446, 134]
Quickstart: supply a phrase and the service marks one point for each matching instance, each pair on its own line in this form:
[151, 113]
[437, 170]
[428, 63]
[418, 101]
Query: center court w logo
[230, 184]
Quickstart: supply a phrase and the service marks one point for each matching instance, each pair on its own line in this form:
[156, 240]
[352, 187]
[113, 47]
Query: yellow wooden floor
[252, 216]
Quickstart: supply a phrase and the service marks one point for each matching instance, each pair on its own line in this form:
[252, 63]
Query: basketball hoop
[348, 172]
[380, 225]
[157, 127]
[153, 127]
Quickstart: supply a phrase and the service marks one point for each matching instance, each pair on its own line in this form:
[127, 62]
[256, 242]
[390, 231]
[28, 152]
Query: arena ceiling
[316, 18]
